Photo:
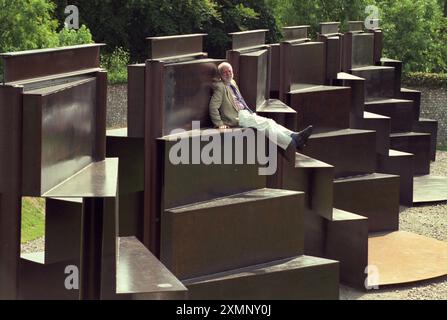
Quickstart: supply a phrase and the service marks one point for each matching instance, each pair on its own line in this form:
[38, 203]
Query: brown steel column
[10, 188]
[91, 248]
[153, 130]
[101, 115]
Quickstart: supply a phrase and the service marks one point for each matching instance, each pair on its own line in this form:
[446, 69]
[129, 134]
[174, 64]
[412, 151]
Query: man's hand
[223, 127]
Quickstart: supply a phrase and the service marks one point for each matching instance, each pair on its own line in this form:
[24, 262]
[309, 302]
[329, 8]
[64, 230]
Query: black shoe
[300, 138]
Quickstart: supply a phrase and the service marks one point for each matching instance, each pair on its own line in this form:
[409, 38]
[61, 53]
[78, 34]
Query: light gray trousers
[272, 130]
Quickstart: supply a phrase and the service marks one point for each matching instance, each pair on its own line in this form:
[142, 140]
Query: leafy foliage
[127, 24]
[415, 30]
[416, 33]
[31, 25]
[69, 37]
[116, 65]
[303, 12]
[425, 79]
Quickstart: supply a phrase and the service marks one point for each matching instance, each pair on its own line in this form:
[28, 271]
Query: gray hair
[223, 65]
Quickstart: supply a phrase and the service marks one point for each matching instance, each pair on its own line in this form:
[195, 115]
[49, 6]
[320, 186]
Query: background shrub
[116, 65]
[30, 24]
[415, 33]
[127, 24]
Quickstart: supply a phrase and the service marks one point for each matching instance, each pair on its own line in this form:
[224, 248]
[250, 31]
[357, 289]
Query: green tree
[26, 24]
[303, 12]
[69, 37]
[127, 24]
[416, 33]
[30, 24]
[415, 30]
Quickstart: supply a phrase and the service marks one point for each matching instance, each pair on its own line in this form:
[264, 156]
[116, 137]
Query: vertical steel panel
[135, 98]
[100, 116]
[187, 89]
[58, 134]
[10, 188]
[153, 130]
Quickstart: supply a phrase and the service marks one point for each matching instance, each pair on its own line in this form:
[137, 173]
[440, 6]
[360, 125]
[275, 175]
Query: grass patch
[442, 148]
[33, 219]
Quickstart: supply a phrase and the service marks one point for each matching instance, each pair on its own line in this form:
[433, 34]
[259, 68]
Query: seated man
[228, 109]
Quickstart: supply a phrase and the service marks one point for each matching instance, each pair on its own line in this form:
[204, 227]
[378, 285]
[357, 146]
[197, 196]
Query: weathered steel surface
[275, 66]
[409, 94]
[10, 188]
[362, 50]
[356, 25]
[379, 81]
[297, 278]
[135, 100]
[100, 117]
[175, 46]
[130, 152]
[226, 224]
[428, 126]
[350, 151]
[62, 221]
[307, 63]
[99, 179]
[40, 280]
[153, 130]
[314, 103]
[401, 164]
[247, 39]
[169, 98]
[347, 52]
[430, 189]
[403, 257]
[296, 32]
[347, 242]
[141, 276]
[40, 63]
[357, 85]
[416, 143]
[315, 179]
[329, 27]
[360, 195]
[333, 56]
[186, 98]
[99, 236]
[54, 108]
[58, 134]
[207, 181]
[253, 81]
[382, 126]
[91, 252]
[378, 45]
[401, 112]
[397, 65]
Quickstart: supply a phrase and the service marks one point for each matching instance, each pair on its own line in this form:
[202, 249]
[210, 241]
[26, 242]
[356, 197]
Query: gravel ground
[426, 220]
[117, 106]
[34, 246]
